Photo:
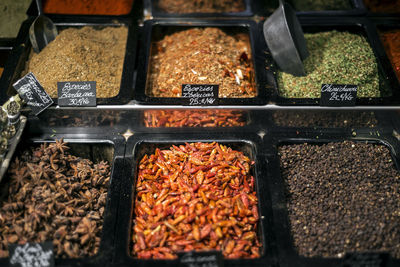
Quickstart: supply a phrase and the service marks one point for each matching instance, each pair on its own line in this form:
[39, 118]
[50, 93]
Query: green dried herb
[318, 5]
[337, 58]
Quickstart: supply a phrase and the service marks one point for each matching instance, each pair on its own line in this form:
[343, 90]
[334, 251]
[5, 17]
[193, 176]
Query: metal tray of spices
[141, 144]
[389, 89]
[174, 9]
[328, 223]
[21, 52]
[75, 232]
[254, 85]
[193, 120]
[392, 26]
[381, 9]
[91, 8]
[335, 121]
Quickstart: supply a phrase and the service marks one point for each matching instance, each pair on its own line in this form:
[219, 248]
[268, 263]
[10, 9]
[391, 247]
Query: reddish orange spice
[391, 40]
[1, 71]
[88, 7]
[383, 6]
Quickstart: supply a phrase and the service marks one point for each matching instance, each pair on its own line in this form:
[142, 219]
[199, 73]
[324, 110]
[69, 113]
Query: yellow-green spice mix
[337, 58]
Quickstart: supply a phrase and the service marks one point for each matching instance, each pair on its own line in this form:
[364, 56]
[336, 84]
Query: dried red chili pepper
[197, 196]
[194, 118]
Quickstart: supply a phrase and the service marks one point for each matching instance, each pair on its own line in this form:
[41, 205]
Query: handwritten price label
[30, 90]
[76, 94]
[200, 94]
[32, 254]
[201, 259]
[338, 95]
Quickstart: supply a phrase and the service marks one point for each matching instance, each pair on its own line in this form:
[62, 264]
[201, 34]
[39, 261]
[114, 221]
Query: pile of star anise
[53, 195]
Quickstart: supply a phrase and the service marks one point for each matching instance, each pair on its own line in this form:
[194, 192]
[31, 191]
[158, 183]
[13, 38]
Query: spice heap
[84, 54]
[202, 56]
[342, 197]
[194, 118]
[88, 7]
[338, 58]
[391, 41]
[1, 71]
[197, 196]
[54, 195]
[383, 6]
[200, 6]
[328, 119]
[320, 5]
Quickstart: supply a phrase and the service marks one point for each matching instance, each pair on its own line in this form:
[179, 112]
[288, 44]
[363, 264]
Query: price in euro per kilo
[201, 101]
[343, 96]
[79, 101]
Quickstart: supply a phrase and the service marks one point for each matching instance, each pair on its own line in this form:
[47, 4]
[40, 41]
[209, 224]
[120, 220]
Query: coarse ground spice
[383, 6]
[328, 119]
[84, 54]
[337, 58]
[320, 5]
[391, 41]
[88, 7]
[342, 197]
[198, 196]
[200, 6]
[54, 195]
[194, 118]
[202, 56]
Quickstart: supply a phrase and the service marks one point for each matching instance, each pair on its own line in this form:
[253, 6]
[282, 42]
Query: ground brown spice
[88, 7]
[200, 6]
[202, 56]
[1, 71]
[84, 54]
[391, 41]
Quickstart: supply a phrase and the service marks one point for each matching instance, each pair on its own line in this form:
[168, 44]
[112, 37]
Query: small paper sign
[338, 95]
[76, 94]
[29, 88]
[201, 259]
[366, 260]
[200, 94]
[31, 254]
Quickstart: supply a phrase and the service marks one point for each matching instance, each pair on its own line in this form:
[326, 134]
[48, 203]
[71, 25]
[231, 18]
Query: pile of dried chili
[88, 7]
[391, 41]
[383, 6]
[198, 196]
[194, 118]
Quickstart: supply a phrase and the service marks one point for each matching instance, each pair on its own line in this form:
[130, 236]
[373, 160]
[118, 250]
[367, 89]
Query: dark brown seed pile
[342, 197]
[329, 119]
[53, 195]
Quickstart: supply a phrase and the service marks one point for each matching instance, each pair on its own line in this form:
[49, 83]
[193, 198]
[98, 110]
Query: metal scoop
[42, 30]
[285, 40]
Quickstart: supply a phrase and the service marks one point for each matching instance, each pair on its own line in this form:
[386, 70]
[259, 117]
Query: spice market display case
[20, 54]
[96, 150]
[388, 84]
[288, 253]
[141, 144]
[155, 29]
[157, 12]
